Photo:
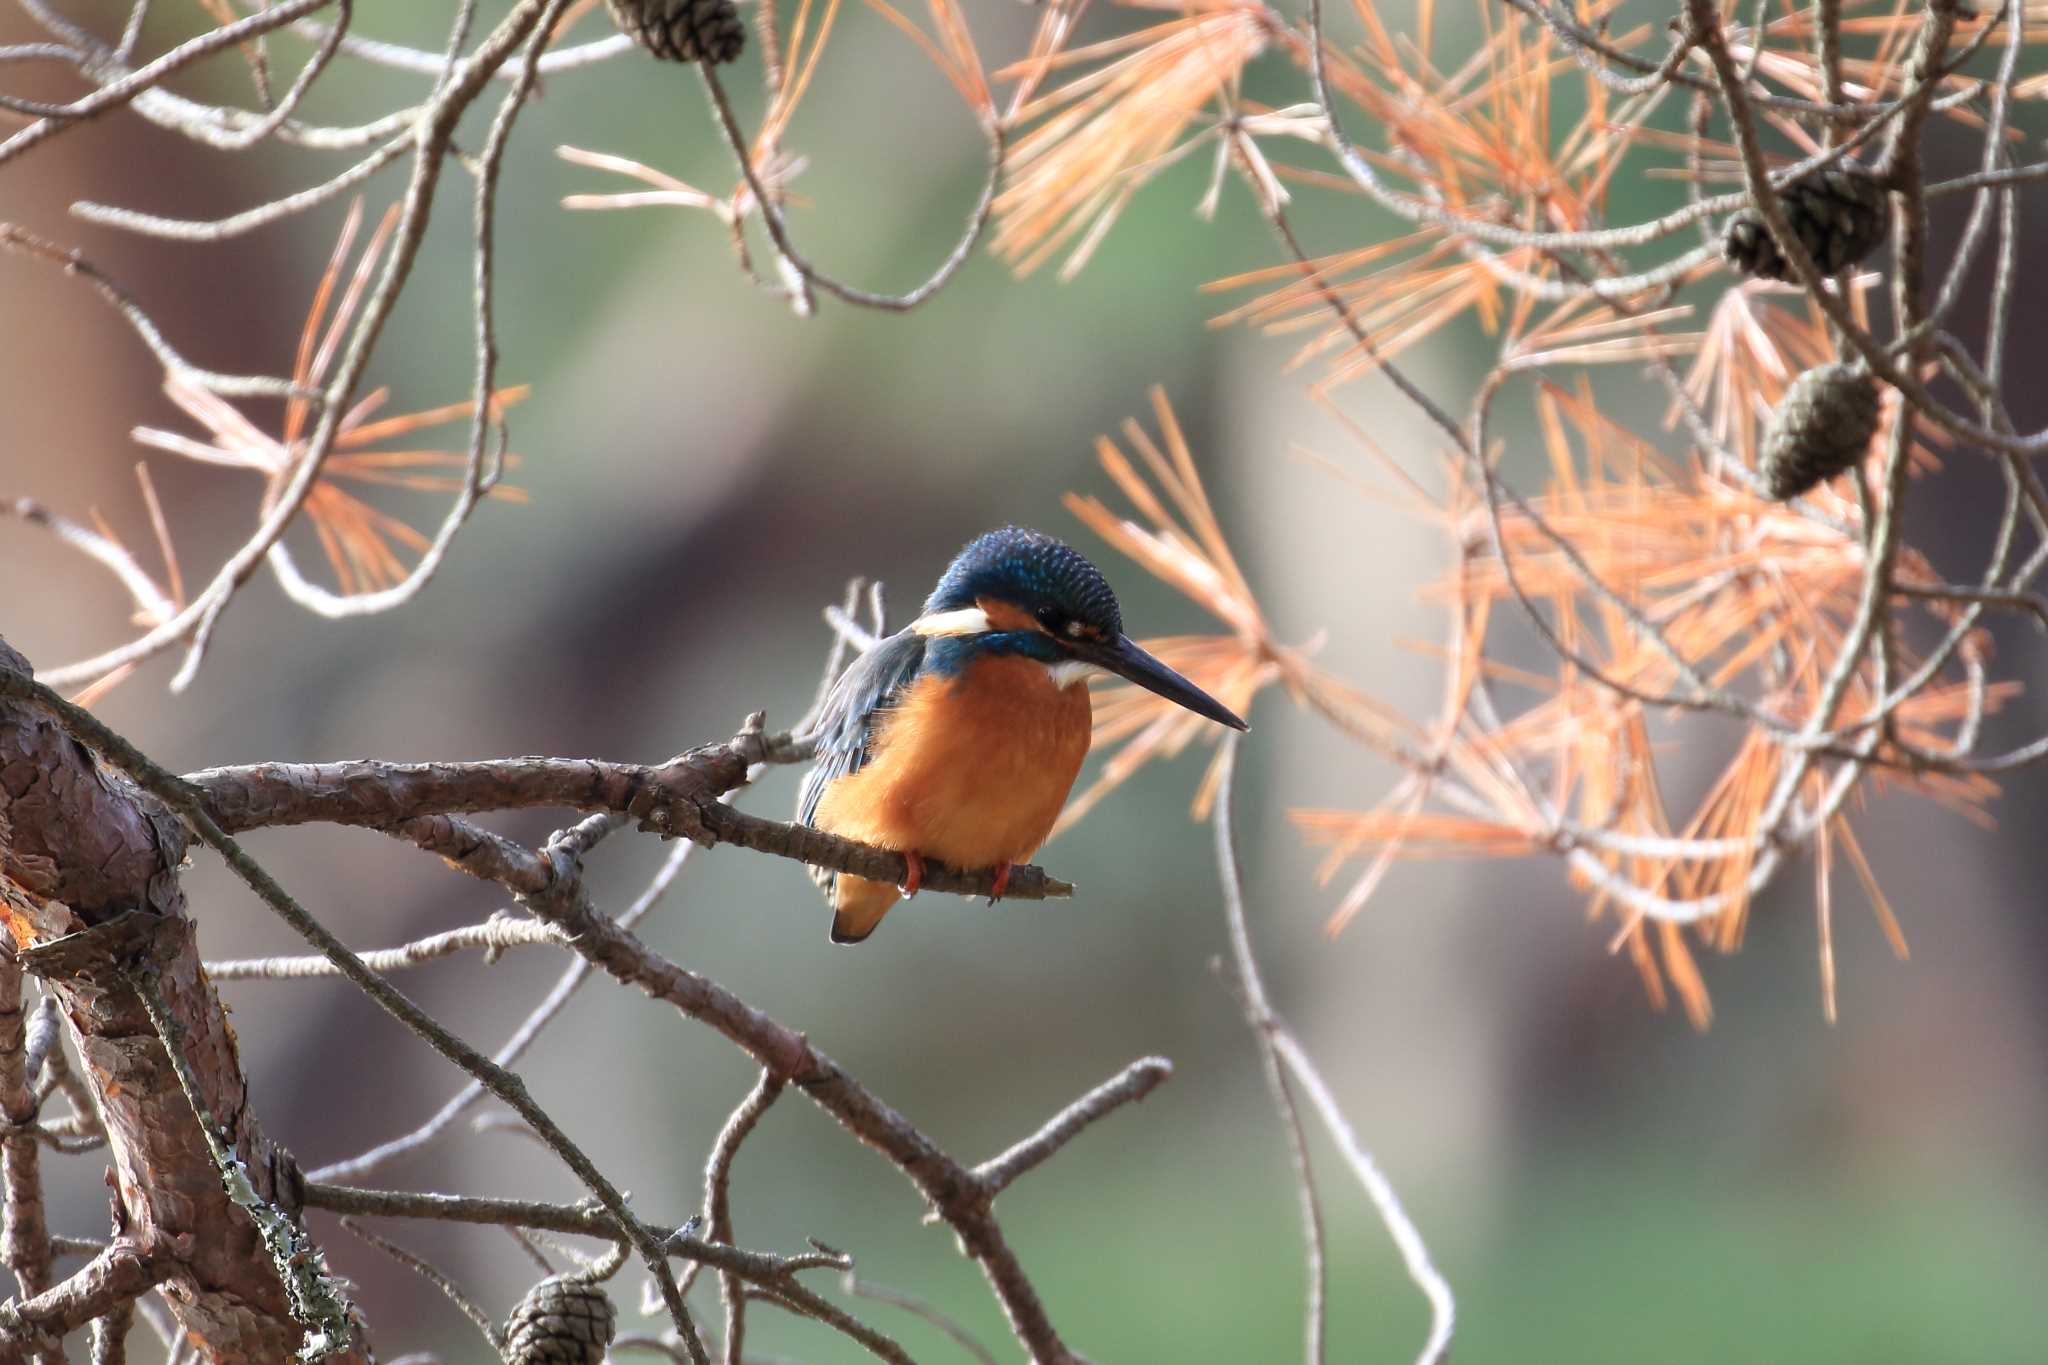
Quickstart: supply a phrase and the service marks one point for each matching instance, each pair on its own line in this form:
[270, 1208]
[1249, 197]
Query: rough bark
[80, 847]
[25, 1241]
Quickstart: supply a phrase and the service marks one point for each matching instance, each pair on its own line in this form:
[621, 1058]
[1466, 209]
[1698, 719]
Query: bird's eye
[1054, 620]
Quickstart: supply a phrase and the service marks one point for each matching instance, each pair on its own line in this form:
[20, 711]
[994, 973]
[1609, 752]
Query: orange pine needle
[1108, 131]
[357, 539]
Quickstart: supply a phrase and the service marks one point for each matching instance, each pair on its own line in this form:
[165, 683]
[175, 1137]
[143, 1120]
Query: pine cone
[1838, 215]
[1821, 427]
[682, 30]
[563, 1320]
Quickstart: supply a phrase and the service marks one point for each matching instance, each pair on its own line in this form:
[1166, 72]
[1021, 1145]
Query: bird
[958, 737]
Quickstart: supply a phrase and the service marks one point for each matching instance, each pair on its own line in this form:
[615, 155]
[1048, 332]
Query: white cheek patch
[965, 621]
[1070, 672]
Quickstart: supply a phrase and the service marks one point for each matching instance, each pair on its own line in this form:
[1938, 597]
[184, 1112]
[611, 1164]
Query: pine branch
[678, 798]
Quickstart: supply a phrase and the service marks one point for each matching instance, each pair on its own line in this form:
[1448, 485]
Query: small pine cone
[1821, 427]
[563, 1320]
[1838, 214]
[682, 30]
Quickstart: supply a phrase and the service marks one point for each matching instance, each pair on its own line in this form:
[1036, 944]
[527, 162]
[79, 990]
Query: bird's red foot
[1002, 883]
[915, 876]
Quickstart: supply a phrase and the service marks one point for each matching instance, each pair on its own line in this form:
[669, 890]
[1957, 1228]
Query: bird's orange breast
[971, 769]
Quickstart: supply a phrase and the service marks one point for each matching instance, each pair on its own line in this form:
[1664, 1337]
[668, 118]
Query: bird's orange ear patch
[1007, 616]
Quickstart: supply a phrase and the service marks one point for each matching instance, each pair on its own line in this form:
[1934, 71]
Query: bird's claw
[914, 874]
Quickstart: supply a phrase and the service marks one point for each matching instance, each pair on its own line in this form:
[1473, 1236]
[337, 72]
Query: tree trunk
[79, 846]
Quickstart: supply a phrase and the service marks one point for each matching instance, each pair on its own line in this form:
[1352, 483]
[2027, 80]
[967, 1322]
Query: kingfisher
[959, 737]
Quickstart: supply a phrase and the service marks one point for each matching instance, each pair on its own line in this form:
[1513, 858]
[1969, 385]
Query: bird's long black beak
[1122, 657]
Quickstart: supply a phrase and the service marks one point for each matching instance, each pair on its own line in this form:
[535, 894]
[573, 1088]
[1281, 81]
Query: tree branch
[1128, 1086]
[678, 798]
[118, 1275]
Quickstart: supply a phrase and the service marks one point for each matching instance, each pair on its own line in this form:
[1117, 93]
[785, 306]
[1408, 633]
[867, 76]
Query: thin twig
[1414, 1253]
[74, 263]
[1128, 1086]
[718, 1200]
[494, 936]
[778, 230]
[916, 1307]
[1265, 1025]
[543, 1013]
[434, 1276]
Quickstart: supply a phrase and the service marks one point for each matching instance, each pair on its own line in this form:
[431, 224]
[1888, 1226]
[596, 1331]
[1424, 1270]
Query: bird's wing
[845, 728]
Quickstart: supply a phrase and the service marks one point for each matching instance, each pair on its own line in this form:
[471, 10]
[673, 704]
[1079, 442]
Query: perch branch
[678, 798]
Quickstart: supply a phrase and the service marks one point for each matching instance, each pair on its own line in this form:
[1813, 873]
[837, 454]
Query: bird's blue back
[844, 730]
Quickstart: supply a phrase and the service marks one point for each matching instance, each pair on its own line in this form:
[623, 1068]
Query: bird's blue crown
[1028, 569]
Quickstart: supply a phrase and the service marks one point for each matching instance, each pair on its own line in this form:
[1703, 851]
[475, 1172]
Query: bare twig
[122, 88]
[494, 936]
[74, 263]
[756, 1267]
[1128, 1086]
[573, 976]
[718, 1200]
[916, 1307]
[802, 1300]
[249, 220]
[1265, 1024]
[436, 1277]
[151, 602]
[778, 229]
[1284, 1048]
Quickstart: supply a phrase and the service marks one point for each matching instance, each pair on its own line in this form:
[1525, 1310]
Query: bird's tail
[858, 906]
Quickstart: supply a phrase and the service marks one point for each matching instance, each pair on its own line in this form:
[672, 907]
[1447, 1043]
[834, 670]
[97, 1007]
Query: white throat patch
[1070, 672]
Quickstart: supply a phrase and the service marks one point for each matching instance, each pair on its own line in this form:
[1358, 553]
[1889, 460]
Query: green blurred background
[1599, 1182]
